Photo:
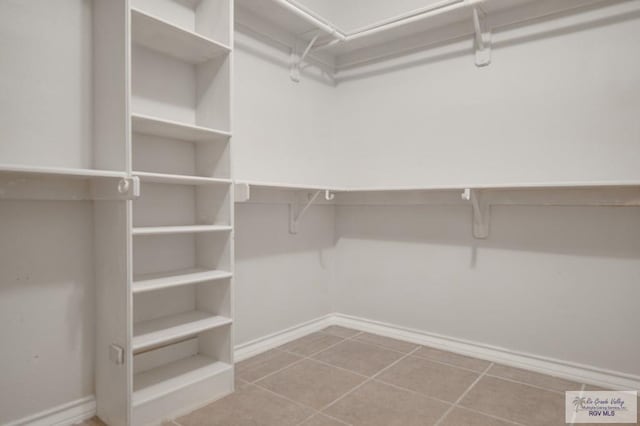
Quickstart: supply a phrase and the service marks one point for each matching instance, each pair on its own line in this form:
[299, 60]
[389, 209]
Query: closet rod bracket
[482, 37]
[481, 212]
[298, 58]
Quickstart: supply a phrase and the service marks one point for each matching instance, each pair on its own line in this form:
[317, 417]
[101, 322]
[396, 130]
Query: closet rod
[312, 19]
[398, 21]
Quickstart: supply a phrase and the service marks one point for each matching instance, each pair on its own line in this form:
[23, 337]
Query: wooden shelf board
[179, 179]
[164, 37]
[155, 126]
[158, 281]
[147, 334]
[174, 376]
[61, 172]
[455, 187]
[164, 230]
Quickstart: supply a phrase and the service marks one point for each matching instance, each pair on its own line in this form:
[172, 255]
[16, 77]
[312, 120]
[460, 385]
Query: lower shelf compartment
[170, 377]
[176, 379]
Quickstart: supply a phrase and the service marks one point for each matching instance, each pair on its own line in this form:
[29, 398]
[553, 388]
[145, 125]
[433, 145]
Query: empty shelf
[63, 172]
[147, 334]
[151, 282]
[154, 126]
[164, 37]
[180, 179]
[192, 229]
[167, 378]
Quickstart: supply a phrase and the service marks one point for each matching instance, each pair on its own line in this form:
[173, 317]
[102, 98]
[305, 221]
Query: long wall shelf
[479, 197]
[61, 183]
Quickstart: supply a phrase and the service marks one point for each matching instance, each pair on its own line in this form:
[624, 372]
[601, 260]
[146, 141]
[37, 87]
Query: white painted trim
[263, 344]
[85, 408]
[63, 415]
[567, 370]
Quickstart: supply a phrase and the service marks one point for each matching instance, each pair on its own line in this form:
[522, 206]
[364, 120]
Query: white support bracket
[482, 38]
[481, 212]
[298, 59]
[297, 211]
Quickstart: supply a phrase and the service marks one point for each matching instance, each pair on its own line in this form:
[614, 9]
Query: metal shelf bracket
[481, 212]
[297, 59]
[482, 38]
[297, 211]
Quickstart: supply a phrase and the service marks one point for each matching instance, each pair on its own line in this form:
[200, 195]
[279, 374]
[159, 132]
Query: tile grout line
[444, 401]
[302, 358]
[457, 401]
[368, 380]
[506, 379]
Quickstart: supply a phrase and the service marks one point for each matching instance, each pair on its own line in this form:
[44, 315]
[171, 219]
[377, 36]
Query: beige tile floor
[340, 377]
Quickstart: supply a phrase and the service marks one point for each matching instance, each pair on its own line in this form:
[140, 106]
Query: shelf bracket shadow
[481, 212]
[482, 38]
[297, 211]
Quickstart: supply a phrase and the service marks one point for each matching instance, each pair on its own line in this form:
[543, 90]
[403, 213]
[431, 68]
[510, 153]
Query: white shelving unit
[165, 273]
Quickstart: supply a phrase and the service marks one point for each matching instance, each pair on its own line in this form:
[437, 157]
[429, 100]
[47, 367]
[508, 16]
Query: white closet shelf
[167, 378]
[156, 332]
[164, 37]
[190, 229]
[456, 187]
[180, 179]
[155, 126]
[158, 281]
[62, 183]
[63, 172]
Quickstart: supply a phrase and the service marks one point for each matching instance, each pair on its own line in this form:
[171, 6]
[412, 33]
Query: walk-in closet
[319, 212]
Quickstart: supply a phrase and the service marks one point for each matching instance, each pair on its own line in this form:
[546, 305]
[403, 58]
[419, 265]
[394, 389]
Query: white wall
[45, 81]
[560, 102]
[46, 305]
[555, 105]
[283, 132]
[281, 280]
[558, 282]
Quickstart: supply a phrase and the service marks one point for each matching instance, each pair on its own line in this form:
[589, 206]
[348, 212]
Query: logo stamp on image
[601, 407]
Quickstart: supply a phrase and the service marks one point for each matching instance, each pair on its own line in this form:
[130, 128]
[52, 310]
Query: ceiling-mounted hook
[328, 195]
[482, 39]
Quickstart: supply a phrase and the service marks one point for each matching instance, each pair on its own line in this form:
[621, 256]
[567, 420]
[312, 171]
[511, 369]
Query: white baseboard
[263, 344]
[85, 408]
[567, 370]
[63, 415]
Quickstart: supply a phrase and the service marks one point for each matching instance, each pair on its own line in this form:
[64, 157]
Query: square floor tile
[377, 404]
[463, 417]
[339, 331]
[322, 420]
[312, 343]
[430, 378]
[360, 357]
[516, 402]
[259, 366]
[386, 342]
[529, 377]
[447, 357]
[312, 383]
[250, 406]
